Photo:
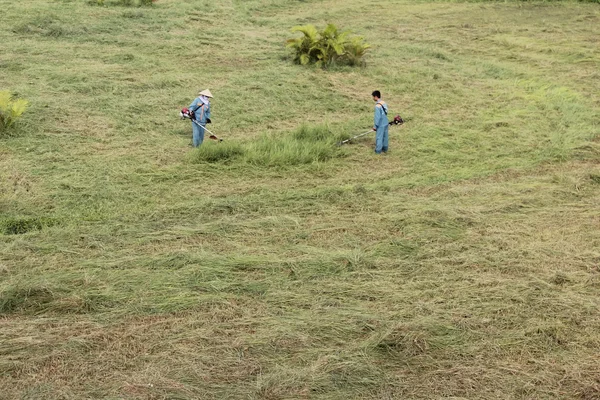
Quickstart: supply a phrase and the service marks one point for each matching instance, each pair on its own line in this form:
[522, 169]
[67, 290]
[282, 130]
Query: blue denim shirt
[381, 118]
[201, 111]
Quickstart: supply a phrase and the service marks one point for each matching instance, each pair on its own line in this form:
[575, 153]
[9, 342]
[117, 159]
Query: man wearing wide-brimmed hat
[200, 110]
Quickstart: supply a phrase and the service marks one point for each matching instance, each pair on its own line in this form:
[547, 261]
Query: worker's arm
[377, 117]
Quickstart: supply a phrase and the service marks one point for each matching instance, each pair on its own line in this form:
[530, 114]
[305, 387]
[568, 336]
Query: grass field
[463, 264]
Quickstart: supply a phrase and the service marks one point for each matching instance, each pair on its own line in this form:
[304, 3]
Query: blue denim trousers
[197, 134]
[381, 139]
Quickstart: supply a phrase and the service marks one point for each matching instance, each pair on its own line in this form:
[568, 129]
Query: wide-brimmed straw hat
[206, 93]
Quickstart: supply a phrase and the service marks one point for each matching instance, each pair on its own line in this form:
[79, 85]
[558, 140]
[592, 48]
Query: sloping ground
[463, 264]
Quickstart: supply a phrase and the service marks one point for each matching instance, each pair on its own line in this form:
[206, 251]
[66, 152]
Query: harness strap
[201, 115]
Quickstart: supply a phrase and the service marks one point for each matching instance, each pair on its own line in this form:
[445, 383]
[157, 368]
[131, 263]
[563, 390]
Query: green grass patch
[217, 152]
[21, 225]
[306, 145]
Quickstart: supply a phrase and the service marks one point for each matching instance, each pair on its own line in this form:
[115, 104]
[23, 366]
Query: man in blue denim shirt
[381, 123]
[200, 109]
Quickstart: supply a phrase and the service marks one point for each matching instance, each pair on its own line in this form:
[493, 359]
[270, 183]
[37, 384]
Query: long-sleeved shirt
[201, 111]
[381, 118]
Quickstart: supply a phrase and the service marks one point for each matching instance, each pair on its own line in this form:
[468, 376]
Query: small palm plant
[305, 48]
[333, 44]
[355, 51]
[327, 47]
[10, 109]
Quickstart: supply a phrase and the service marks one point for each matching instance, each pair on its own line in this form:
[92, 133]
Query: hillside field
[463, 264]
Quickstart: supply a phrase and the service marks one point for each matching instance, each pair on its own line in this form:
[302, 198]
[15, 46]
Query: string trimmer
[396, 121]
[187, 114]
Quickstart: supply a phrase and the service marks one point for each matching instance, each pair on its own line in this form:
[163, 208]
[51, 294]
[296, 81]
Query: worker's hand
[374, 128]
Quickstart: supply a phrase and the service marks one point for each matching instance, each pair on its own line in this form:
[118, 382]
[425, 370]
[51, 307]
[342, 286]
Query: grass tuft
[274, 151]
[34, 298]
[19, 226]
[306, 145]
[214, 152]
[50, 26]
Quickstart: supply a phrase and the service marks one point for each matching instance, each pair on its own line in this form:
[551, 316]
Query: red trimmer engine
[397, 120]
[185, 113]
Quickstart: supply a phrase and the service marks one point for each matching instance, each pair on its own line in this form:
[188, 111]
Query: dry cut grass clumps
[306, 145]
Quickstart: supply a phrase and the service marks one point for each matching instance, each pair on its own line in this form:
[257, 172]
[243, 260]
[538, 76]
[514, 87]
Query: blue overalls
[381, 125]
[201, 114]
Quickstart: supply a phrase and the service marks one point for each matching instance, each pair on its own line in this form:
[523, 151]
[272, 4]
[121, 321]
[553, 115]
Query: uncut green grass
[462, 264]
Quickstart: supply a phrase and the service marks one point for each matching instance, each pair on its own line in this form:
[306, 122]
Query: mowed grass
[274, 265]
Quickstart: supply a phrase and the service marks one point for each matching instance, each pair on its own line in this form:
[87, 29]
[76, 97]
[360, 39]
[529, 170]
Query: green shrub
[11, 110]
[327, 47]
[355, 50]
